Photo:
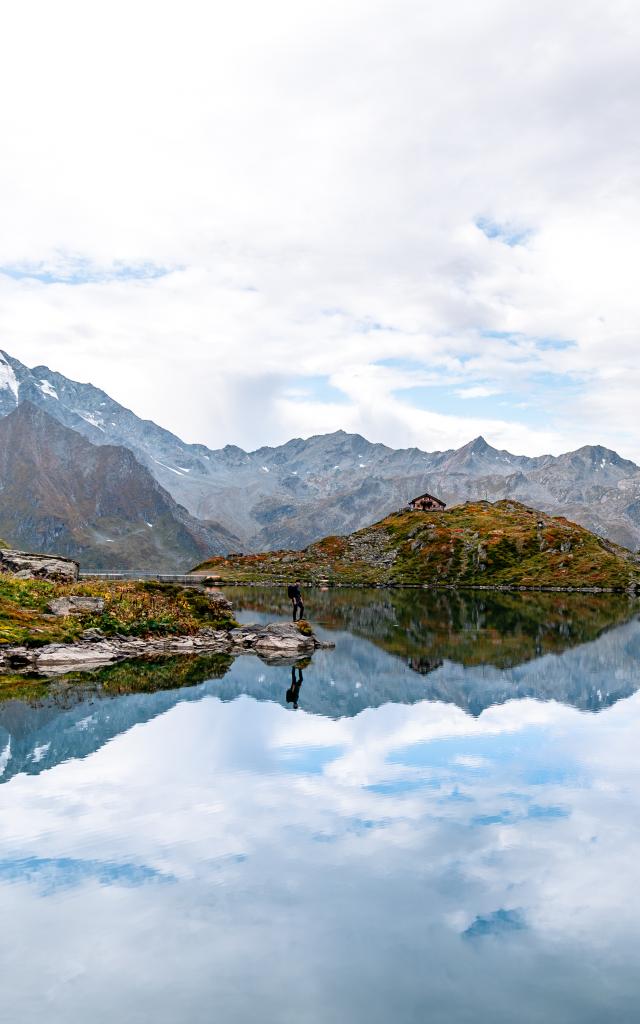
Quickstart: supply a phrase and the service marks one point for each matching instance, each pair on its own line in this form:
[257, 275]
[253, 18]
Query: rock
[275, 640]
[244, 636]
[217, 635]
[217, 598]
[62, 657]
[75, 604]
[92, 635]
[281, 636]
[26, 565]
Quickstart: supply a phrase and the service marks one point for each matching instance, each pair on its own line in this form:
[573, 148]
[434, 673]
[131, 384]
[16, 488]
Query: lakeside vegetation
[478, 544]
[140, 675]
[131, 608]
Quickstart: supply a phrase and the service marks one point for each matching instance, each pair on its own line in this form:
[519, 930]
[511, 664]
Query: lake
[438, 820]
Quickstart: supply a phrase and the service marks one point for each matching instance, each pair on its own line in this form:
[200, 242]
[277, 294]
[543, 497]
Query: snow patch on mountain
[47, 388]
[93, 420]
[170, 468]
[8, 379]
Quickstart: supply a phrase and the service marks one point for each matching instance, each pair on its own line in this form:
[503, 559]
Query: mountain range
[290, 495]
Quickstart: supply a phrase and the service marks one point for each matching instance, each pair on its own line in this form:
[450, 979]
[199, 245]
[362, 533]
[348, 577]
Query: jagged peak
[479, 442]
[478, 446]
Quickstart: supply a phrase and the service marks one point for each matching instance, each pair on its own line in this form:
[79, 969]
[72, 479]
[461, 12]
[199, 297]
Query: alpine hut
[427, 503]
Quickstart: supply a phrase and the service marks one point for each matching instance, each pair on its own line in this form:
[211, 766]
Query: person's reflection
[297, 679]
[294, 690]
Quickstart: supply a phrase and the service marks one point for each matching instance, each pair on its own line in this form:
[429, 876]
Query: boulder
[74, 604]
[217, 598]
[284, 637]
[30, 566]
[65, 657]
[92, 636]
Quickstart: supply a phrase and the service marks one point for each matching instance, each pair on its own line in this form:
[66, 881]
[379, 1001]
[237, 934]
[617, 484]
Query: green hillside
[504, 544]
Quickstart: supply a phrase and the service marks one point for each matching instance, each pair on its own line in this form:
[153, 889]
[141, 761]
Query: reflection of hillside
[467, 627]
[590, 676]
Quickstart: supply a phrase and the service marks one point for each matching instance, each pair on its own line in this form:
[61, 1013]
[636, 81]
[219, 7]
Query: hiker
[295, 596]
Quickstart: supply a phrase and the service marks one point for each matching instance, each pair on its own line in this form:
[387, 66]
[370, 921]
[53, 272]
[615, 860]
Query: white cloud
[477, 391]
[312, 177]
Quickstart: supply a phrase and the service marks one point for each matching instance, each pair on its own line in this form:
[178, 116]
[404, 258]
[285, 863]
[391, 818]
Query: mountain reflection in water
[445, 829]
[467, 627]
[71, 717]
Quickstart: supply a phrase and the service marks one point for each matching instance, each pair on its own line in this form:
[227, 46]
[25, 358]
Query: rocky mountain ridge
[59, 492]
[290, 495]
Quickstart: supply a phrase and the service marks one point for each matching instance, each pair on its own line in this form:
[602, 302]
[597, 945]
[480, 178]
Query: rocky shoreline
[94, 649]
[324, 584]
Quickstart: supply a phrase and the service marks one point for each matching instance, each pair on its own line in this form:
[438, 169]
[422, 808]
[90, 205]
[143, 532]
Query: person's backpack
[291, 591]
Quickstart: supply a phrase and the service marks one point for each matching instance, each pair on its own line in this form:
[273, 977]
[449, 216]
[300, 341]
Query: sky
[261, 220]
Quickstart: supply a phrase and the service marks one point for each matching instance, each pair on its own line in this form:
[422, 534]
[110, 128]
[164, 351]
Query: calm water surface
[445, 829]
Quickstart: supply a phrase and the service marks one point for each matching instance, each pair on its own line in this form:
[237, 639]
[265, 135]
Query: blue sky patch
[306, 760]
[524, 755]
[500, 922]
[537, 811]
[508, 234]
[398, 786]
[501, 818]
[74, 270]
[52, 874]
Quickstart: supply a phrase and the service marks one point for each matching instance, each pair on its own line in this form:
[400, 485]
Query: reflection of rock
[279, 658]
[73, 604]
[30, 566]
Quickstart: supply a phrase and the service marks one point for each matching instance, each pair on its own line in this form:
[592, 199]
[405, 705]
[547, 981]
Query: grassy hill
[504, 544]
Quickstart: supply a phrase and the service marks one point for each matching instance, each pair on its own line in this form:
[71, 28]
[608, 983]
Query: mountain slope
[481, 544]
[59, 492]
[290, 495]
